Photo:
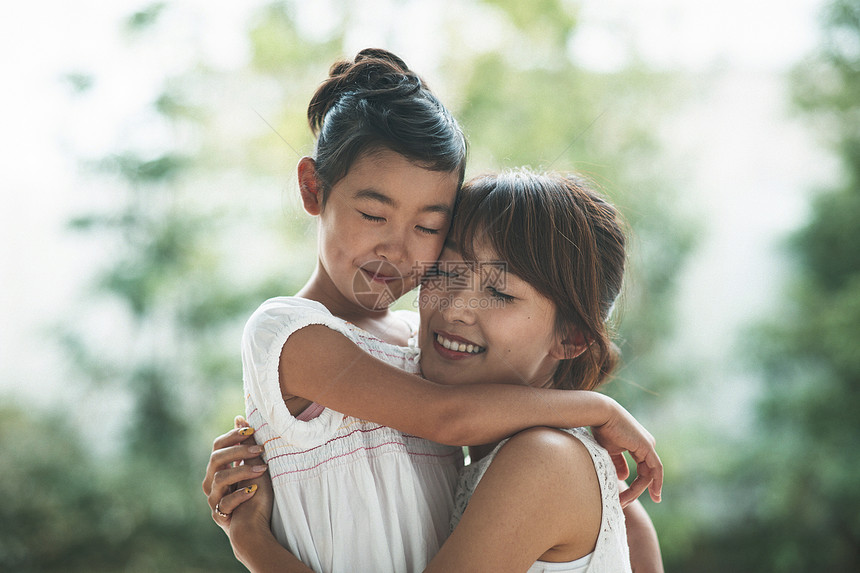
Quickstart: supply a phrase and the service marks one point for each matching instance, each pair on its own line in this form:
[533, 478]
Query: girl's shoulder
[294, 304]
[291, 313]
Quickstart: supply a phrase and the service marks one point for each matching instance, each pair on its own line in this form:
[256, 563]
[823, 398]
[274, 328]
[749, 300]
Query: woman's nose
[457, 305]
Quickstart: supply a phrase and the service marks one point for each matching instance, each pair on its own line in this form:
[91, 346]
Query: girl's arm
[521, 508]
[645, 556]
[344, 378]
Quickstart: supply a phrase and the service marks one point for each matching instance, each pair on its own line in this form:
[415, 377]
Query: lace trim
[611, 553]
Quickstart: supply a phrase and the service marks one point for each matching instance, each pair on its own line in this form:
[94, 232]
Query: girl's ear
[310, 187]
[570, 346]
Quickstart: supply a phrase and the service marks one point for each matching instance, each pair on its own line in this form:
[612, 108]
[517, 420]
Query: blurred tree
[796, 479]
[531, 103]
[198, 237]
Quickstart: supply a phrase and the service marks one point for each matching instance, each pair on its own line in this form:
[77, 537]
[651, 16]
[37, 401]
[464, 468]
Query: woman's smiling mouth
[455, 347]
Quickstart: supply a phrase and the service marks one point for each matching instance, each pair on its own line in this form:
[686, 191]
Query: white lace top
[350, 495]
[611, 554]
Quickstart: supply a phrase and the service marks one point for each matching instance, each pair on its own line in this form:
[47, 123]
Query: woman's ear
[310, 186]
[570, 346]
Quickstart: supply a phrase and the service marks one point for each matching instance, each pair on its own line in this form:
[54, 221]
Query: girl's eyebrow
[379, 197]
[372, 195]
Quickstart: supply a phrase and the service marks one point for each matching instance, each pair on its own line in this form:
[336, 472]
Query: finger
[226, 457]
[631, 494]
[233, 455]
[240, 422]
[225, 481]
[228, 504]
[655, 489]
[621, 468]
[233, 437]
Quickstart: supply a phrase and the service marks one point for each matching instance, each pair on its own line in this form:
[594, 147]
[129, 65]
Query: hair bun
[373, 72]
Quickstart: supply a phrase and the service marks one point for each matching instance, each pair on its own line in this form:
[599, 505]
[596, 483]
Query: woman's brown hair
[564, 239]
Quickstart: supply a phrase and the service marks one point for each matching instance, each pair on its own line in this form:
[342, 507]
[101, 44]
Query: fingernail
[255, 449]
[246, 431]
[251, 489]
[259, 468]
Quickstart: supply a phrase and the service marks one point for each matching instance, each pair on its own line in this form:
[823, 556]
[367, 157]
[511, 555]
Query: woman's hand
[241, 498]
[235, 458]
[622, 432]
[250, 530]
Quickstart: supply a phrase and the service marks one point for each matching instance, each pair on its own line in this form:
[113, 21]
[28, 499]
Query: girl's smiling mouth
[384, 273]
[455, 347]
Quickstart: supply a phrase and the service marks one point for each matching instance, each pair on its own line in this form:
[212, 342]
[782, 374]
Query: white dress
[350, 495]
[611, 553]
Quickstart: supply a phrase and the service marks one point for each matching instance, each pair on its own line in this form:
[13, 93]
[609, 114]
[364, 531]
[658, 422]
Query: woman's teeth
[458, 346]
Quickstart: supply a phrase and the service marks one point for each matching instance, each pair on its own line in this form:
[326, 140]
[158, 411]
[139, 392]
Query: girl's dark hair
[376, 102]
[565, 240]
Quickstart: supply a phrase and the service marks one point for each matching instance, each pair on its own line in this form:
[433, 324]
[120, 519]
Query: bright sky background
[739, 121]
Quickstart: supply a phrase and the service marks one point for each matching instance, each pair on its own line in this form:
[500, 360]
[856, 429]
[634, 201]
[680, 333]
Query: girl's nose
[392, 249]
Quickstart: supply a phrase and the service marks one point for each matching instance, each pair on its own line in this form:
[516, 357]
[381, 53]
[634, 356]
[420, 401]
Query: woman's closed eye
[437, 271]
[495, 293]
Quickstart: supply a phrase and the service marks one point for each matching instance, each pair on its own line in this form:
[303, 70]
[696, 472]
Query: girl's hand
[622, 432]
[235, 458]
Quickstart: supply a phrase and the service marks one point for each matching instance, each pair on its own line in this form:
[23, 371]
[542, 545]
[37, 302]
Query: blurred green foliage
[199, 232]
[792, 482]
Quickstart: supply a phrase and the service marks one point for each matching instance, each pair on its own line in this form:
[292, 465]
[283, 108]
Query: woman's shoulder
[559, 452]
[543, 476]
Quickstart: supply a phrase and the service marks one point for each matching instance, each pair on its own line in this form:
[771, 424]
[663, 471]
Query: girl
[388, 161]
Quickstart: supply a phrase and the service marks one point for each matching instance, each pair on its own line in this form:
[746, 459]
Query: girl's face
[381, 225]
[485, 325]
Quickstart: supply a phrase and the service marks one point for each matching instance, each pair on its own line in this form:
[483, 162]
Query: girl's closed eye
[427, 230]
[371, 218]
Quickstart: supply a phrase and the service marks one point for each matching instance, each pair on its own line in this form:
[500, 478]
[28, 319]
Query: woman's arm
[346, 379]
[520, 511]
[241, 499]
[251, 536]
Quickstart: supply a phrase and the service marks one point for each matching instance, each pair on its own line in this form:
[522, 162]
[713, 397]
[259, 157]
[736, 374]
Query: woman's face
[484, 324]
[381, 225]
